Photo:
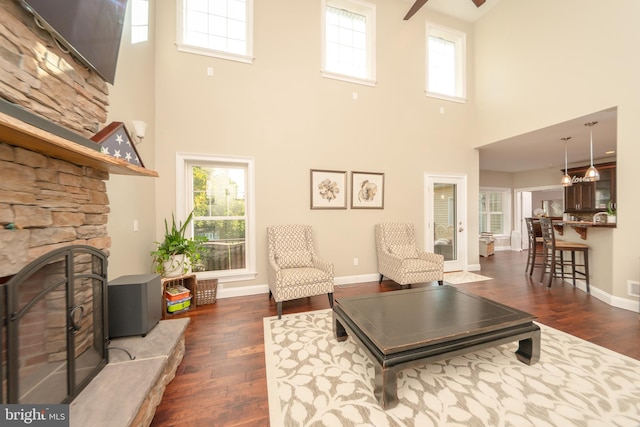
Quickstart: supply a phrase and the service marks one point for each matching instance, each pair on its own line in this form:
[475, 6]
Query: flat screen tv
[90, 29]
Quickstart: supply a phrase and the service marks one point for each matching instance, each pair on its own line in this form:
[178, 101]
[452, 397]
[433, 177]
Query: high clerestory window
[348, 49]
[139, 21]
[219, 28]
[446, 65]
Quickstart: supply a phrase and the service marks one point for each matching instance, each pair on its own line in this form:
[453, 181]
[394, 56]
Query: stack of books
[178, 298]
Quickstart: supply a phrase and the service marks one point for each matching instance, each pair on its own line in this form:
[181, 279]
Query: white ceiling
[544, 148]
[461, 9]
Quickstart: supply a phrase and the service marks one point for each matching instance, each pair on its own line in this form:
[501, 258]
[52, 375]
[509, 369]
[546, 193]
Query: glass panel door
[445, 207]
[444, 220]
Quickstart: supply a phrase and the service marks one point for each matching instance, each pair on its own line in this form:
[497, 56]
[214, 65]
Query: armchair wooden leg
[380, 280]
[270, 294]
[330, 295]
[279, 304]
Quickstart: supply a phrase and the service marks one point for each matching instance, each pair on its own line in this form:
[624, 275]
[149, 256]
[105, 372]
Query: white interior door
[446, 218]
[524, 212]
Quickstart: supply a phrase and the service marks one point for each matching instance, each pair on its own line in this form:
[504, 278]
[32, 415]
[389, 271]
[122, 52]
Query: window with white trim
[348, 47]
[494, 207]
[139, 21]
[219, 192]
[446, 65]
[218, 28]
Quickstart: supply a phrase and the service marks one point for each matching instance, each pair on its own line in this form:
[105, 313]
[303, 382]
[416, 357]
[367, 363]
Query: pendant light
[566, 179]
[592, 173]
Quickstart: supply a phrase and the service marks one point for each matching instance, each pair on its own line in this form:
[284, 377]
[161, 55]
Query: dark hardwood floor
[221, 381]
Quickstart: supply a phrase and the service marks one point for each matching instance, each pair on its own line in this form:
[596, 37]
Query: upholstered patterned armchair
[295, 270]
[400, 260]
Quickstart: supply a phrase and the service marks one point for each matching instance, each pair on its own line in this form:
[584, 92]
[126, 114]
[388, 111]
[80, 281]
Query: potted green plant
[611, 213]
[176, 253]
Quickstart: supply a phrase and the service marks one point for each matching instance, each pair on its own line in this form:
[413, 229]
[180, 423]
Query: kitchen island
[580, 227]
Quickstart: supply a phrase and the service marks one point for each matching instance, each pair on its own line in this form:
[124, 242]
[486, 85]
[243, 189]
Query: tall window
[220, 28]
[139, 21]
[493, 209]
[446, 50]
[219, 192]
[348, 50]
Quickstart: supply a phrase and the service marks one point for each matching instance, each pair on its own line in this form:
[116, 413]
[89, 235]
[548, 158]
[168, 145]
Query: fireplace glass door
[56, 336]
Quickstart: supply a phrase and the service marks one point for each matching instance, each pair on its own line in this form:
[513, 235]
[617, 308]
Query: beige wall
[284, 114]
[529, 67]
[496, 179]
[544, 62]
[132, 198]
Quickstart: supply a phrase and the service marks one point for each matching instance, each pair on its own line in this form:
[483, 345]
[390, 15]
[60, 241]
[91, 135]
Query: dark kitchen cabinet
[591, 196]
[580, 197]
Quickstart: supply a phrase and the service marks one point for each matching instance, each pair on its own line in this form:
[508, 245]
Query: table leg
[529, 349]
[338, 330]
[386, 387]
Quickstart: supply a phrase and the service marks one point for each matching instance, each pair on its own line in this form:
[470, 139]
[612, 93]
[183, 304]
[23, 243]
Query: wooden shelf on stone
[21, 134]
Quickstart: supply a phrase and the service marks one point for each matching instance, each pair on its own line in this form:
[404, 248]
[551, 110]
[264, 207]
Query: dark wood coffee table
[412, 327]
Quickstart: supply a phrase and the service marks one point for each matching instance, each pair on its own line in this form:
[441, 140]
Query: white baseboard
[242, 291]
[350, 280]
[473, 267]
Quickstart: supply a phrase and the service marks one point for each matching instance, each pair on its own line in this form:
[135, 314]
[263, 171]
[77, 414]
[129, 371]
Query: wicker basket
[206, 291]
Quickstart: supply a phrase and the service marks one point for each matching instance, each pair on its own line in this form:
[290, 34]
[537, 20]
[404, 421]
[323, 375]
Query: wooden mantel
[19, 133]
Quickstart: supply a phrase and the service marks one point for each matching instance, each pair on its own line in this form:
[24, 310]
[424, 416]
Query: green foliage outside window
[219, 203]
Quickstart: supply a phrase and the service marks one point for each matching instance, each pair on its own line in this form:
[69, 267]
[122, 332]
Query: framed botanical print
[367, 190]
[328, 189]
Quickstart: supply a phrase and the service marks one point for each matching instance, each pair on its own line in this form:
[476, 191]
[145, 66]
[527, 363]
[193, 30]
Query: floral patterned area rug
[457, 277]
[314, 380]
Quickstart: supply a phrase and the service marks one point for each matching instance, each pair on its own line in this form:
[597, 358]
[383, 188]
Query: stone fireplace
[50, 195]
[54, 337]
[52, 177]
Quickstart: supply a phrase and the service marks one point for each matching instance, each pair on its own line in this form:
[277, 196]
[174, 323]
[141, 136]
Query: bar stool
[535, 241]
[552, 249]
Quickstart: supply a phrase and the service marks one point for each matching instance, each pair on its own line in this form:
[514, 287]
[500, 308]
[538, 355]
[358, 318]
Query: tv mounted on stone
[89, 29]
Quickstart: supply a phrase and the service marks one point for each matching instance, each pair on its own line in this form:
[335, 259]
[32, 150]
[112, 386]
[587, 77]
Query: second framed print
[328, 189]
[367, 190]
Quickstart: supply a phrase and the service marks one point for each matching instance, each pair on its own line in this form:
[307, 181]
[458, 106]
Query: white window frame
[183, 189]
[362, 8]
[506, 208]
[459, 39]
[246, 58]
[139, 21]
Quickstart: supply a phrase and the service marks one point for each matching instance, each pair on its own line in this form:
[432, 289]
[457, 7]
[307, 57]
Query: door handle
[75, 318]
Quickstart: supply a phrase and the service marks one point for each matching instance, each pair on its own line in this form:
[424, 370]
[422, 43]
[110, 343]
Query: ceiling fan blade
[478, 3]
[416, 7]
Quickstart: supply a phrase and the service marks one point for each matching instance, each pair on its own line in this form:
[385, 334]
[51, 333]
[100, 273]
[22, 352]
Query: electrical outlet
[355, 261]
[135, 225]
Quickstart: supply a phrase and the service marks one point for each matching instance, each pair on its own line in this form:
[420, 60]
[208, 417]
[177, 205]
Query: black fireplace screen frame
[12, 310]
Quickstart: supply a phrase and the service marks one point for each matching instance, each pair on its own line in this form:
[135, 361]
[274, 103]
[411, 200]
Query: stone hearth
[126, 392]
